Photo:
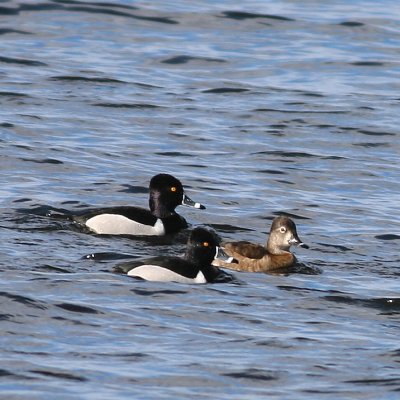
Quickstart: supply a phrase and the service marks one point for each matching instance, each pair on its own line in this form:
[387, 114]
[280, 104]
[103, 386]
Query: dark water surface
[260, 108]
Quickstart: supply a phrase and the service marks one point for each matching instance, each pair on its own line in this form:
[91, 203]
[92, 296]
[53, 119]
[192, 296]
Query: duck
[194, 268]
[165, 194]
[275, 256]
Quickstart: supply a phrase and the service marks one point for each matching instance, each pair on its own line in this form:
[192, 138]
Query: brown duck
[272, 257]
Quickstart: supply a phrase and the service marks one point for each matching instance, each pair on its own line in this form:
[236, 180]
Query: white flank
[160, 274]
[115, 224]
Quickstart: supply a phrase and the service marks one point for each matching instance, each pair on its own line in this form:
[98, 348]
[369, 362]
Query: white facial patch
[115, 224]
[160, 274]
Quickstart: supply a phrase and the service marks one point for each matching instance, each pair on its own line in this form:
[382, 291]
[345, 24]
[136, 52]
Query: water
[260, 108]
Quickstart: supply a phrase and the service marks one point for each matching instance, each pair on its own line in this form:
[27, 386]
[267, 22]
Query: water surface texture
[261, 108]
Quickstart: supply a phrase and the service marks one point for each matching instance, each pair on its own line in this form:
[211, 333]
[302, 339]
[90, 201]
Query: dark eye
[282, 229]
[173, 189]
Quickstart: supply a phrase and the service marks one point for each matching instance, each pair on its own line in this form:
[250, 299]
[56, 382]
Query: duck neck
[157, 207]
[203, 263]
[275, 248]
[210, 272]
[195, 258]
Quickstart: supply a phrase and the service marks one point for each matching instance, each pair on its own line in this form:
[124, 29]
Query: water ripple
[59, 375]
[85, 79]
[242, 15]
[22, 61]
[183, 59]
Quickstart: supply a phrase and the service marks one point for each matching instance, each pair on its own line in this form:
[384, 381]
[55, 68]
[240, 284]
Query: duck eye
[173, 189]
[282, 229]
[205, 244]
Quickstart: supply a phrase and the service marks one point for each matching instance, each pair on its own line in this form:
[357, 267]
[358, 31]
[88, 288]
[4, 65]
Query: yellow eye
[173, 189]
[206, 244]
[282, 229]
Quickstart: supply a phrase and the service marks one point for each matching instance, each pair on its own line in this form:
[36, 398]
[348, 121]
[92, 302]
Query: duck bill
[221, 255]
[187, 201]
[295, 241]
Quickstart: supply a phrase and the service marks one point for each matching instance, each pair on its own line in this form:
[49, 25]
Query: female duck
[272, 257]
[194, 267]
[166, 193]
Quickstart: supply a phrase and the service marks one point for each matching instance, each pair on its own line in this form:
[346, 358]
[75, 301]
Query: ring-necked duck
[166, 193]
[195, 267]
[274, 256]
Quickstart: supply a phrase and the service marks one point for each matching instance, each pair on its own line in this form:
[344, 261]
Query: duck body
[256, 258]
[195, 267]
[130, 221]
[165, 194]
[169, 269]
[275, 256]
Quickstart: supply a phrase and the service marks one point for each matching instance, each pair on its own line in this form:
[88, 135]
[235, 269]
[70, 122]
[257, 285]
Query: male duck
[166, 193]
[194, 267]
[272, 257]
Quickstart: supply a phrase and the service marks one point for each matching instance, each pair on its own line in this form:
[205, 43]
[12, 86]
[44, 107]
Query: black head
[201, 247]
[166, 193]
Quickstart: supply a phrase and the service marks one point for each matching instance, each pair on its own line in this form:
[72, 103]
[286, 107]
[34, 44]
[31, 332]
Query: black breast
[174, 223]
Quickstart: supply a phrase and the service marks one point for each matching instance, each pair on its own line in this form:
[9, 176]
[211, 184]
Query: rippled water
[260, 108]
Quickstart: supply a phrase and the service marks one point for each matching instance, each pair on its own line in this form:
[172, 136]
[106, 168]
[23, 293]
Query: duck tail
[60, 214]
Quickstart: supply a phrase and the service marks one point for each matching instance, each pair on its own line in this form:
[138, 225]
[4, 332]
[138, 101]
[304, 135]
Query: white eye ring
[282, 229]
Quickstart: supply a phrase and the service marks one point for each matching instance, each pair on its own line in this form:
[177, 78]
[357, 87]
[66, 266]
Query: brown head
[282, 235]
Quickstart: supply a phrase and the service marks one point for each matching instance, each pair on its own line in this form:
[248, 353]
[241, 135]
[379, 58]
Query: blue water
[260, 108]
